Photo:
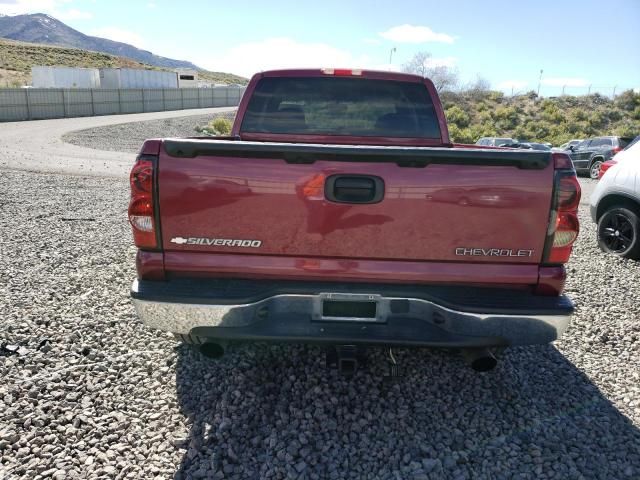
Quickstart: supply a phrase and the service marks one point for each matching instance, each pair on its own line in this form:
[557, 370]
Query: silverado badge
[217, 242]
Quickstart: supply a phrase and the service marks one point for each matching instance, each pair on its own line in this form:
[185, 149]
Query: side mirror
[572, 147]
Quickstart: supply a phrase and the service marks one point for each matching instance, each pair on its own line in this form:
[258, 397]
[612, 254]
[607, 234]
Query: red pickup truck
[339, 212]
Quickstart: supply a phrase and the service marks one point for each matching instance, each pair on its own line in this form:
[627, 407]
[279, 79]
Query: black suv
[589, 154]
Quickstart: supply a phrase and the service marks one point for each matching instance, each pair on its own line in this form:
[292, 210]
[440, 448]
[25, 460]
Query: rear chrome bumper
[398, 320]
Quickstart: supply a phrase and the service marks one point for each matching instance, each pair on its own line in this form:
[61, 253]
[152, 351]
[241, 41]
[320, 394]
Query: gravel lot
[93, 394]
[128, 137]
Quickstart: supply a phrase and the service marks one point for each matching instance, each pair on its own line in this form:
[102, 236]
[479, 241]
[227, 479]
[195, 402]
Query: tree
[478, 88]
[442, 76]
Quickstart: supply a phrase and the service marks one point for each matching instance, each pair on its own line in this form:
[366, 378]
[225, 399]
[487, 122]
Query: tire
[594, 169]
[619, 232]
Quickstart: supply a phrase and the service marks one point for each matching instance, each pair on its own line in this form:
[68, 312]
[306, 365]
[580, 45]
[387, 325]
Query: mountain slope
[41, 28]
[17, 58]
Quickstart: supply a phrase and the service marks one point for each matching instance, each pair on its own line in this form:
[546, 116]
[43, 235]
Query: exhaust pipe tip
[480, 359]
[484, 364]
[212, 350]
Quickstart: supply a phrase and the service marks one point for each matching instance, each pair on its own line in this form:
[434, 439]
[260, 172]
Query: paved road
[37, 146]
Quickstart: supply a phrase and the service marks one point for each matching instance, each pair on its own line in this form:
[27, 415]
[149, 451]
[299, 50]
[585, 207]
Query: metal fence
[40, 103]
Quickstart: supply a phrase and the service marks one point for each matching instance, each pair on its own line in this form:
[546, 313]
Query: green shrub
[457, 116]
[597, 120]
[221, 125]
[578, 115]
[507, 118]
[217, 127]
[461, 135]
[627, 129]
[497, 97]
[628, 100]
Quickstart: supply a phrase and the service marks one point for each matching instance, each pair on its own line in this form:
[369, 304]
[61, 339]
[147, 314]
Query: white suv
[615, 205]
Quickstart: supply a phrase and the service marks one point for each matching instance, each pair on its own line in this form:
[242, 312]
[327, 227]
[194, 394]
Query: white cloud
[55, 8]
[415, 34]
[513, 84]
[152, 5]
[119, 35]
[565, 81]
[272, 53]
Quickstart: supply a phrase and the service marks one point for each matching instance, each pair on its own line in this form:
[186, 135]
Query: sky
[580, 45]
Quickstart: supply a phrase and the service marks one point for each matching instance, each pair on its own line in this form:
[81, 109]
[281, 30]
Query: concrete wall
[40, 103]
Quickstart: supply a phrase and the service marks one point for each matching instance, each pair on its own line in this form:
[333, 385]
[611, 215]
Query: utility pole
[589, 91]
[563, 90]
[539, 81]
[614, 91]
[391, 52]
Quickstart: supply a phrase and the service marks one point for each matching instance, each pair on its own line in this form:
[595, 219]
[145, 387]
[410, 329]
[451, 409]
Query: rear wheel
[619, 232]
[594, 170]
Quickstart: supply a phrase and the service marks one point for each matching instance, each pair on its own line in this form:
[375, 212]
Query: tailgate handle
[354, 189]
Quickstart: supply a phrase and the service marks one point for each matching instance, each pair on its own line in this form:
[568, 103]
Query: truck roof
[352, 72]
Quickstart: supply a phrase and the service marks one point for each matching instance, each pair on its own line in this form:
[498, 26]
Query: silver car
[495, 141]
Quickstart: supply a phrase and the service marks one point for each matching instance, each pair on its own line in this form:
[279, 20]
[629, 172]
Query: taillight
[563, 222]
[616, 149]
[141, 207]
[567, 189]
[342, 72]
[566, 232]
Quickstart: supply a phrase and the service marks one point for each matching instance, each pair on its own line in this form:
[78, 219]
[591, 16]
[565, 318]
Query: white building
[137, 78]
[187, 78]
[64, 77]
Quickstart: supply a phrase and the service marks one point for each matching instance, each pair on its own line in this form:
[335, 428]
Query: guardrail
[41, 103]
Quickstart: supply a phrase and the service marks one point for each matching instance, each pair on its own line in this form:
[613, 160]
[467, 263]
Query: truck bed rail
[403, 156]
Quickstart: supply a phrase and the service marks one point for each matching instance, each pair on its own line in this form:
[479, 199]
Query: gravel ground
[128, 137]
[91, 393]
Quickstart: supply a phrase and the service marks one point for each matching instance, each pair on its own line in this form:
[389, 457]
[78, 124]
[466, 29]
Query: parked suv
[495, 141]
[589, 154]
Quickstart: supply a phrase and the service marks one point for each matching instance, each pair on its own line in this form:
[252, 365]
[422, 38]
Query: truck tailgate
[435, 205]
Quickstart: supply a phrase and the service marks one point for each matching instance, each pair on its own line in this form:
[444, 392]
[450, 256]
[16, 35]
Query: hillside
[221, 77]
[16, 59]
[474, 114]
[44, 29]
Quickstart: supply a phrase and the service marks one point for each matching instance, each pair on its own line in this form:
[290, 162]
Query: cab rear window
[341, 106]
